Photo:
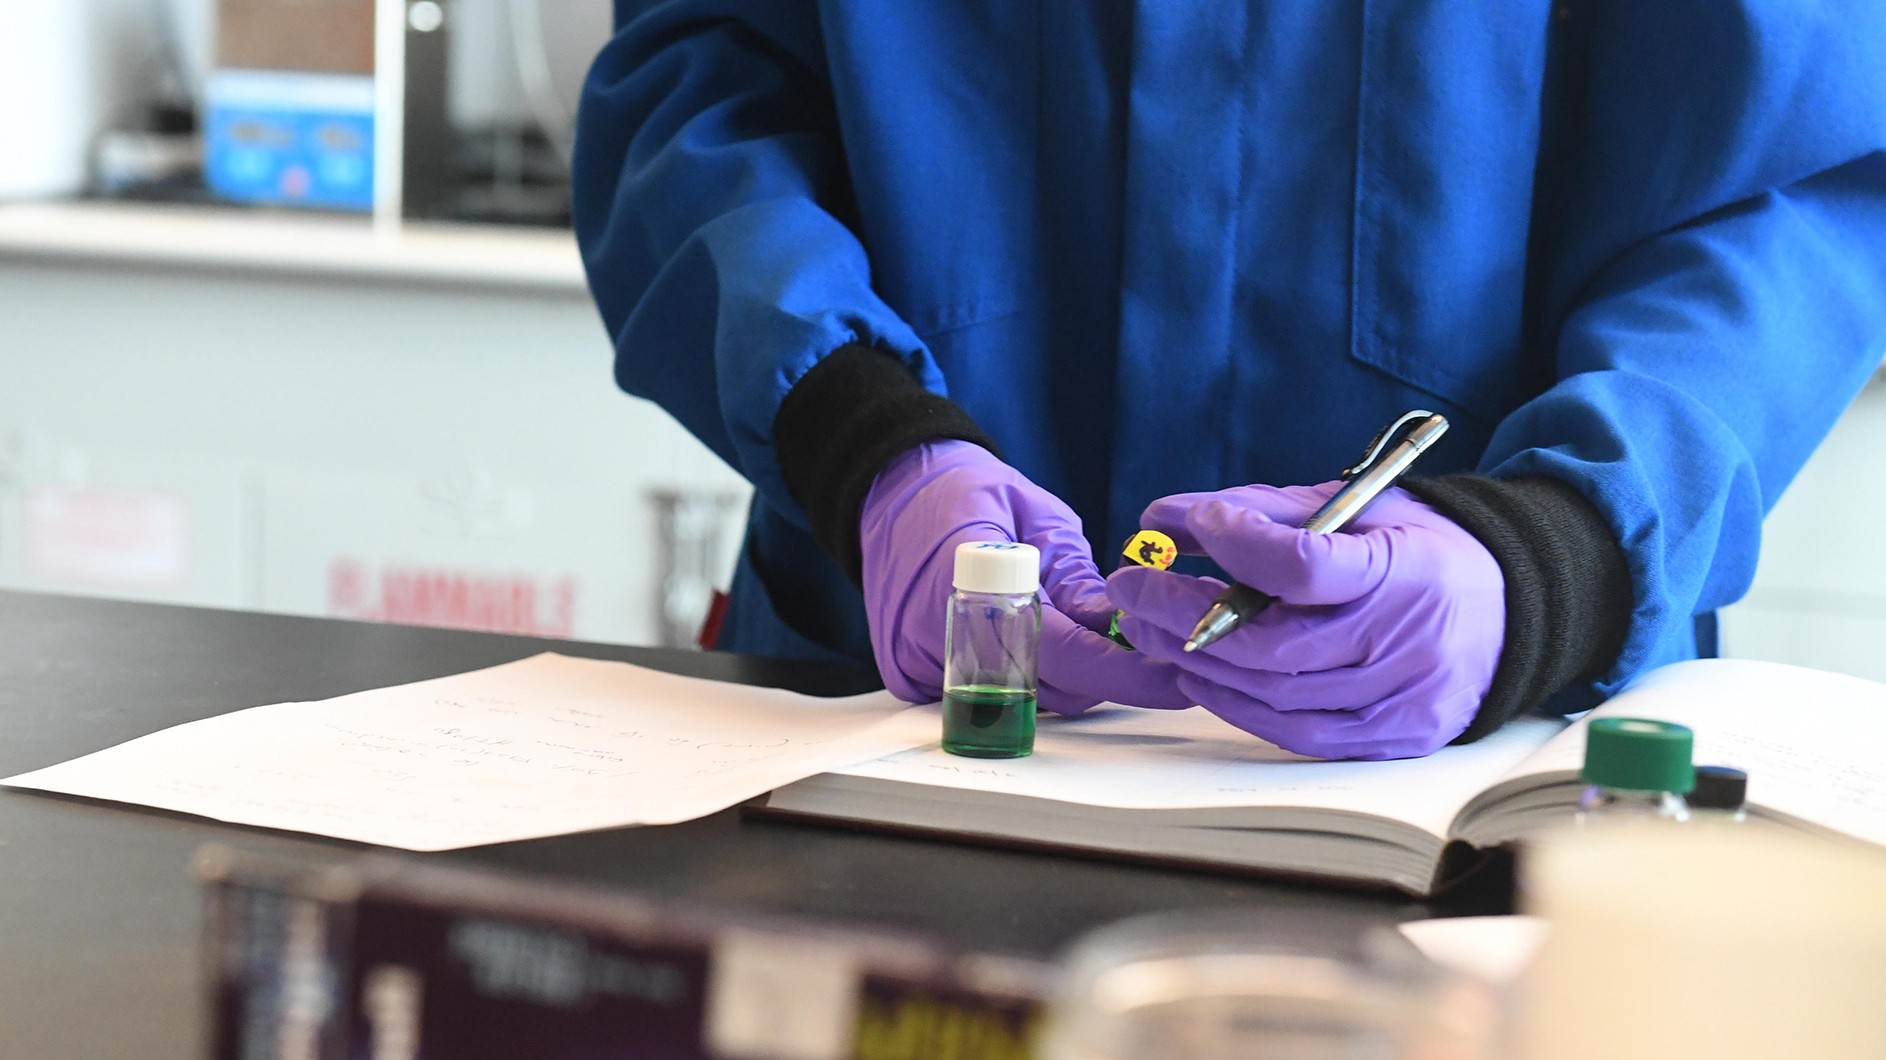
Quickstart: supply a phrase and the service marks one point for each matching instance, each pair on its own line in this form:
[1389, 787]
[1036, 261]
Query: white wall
[310, 444]
[1820, 590]
[68, 69]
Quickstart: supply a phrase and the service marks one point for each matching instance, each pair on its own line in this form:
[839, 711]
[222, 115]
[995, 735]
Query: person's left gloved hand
[944, 493]
[1382, 643]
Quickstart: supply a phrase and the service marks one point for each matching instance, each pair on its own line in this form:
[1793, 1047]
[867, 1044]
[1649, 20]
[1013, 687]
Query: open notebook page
[1172, 760]
[1812, 742]
[543, 746]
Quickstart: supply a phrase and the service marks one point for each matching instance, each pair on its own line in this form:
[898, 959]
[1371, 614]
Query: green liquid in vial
[984, 722]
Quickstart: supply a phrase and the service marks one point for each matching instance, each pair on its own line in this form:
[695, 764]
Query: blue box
[288, 138]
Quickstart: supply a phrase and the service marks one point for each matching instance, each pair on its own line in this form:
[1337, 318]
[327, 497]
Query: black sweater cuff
[1568, 589]
[847, 418]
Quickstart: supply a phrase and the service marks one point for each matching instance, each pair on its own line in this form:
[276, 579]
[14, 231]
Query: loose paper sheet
[1193, 760]
[543, 746]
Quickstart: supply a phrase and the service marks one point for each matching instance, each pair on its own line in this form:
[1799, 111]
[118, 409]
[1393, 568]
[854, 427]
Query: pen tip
[1191, 645]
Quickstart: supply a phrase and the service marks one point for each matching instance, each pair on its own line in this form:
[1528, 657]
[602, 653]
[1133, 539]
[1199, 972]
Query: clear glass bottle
[1721, 794]
[1635, 767]
[1261, 984]
[991, 647]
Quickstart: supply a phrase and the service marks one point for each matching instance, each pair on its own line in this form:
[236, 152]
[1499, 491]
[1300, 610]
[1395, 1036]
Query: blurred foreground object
[1236, 984]
[1705, 941]
[390, 958]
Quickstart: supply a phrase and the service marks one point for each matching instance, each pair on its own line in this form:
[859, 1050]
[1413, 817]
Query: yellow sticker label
[1150, 548]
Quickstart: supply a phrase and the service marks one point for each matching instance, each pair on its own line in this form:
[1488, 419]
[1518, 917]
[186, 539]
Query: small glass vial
[1636, 768]
[1721, 794]
[990, 651]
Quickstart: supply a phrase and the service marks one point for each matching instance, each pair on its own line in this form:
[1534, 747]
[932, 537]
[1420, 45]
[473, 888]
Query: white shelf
[312, 244]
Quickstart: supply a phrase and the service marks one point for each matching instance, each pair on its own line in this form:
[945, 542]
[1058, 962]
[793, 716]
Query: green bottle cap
[1639, 755]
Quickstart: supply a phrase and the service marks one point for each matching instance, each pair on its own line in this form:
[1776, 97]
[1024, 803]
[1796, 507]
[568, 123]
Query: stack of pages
[1186, 787]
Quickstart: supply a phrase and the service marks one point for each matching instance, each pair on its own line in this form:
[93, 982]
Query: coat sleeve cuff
[1568, 589]
[849, 416]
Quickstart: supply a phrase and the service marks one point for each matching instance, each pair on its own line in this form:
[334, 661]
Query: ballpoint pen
[1391, 452]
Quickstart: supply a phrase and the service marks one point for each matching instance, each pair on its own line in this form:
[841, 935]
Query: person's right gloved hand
[1382, 643]
[942, 494]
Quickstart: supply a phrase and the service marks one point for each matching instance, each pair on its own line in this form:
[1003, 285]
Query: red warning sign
[455, 599]
[111, 539]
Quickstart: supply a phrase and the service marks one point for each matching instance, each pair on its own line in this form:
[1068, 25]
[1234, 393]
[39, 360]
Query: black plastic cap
[1718, 788]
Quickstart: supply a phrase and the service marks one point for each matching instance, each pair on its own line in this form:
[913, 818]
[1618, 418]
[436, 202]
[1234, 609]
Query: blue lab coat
[1180, 245]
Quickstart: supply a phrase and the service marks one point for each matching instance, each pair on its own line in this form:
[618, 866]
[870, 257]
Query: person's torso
[1181, 246]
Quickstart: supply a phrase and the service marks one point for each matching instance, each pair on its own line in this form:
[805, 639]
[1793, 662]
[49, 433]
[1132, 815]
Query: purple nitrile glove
[941, 494]
[1384, 637]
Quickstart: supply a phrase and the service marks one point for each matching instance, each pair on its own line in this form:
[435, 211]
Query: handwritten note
[543, 746]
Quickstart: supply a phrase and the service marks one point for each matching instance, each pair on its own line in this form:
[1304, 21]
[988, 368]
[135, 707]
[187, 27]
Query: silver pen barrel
[1358, 492]
[1378, 471]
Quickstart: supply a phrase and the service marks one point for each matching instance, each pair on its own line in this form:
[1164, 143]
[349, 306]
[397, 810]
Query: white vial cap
[998, 567]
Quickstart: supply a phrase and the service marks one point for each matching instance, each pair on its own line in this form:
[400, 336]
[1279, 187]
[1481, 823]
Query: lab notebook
[1186, 787]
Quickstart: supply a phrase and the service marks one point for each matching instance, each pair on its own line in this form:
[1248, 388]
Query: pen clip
[1384, 438]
